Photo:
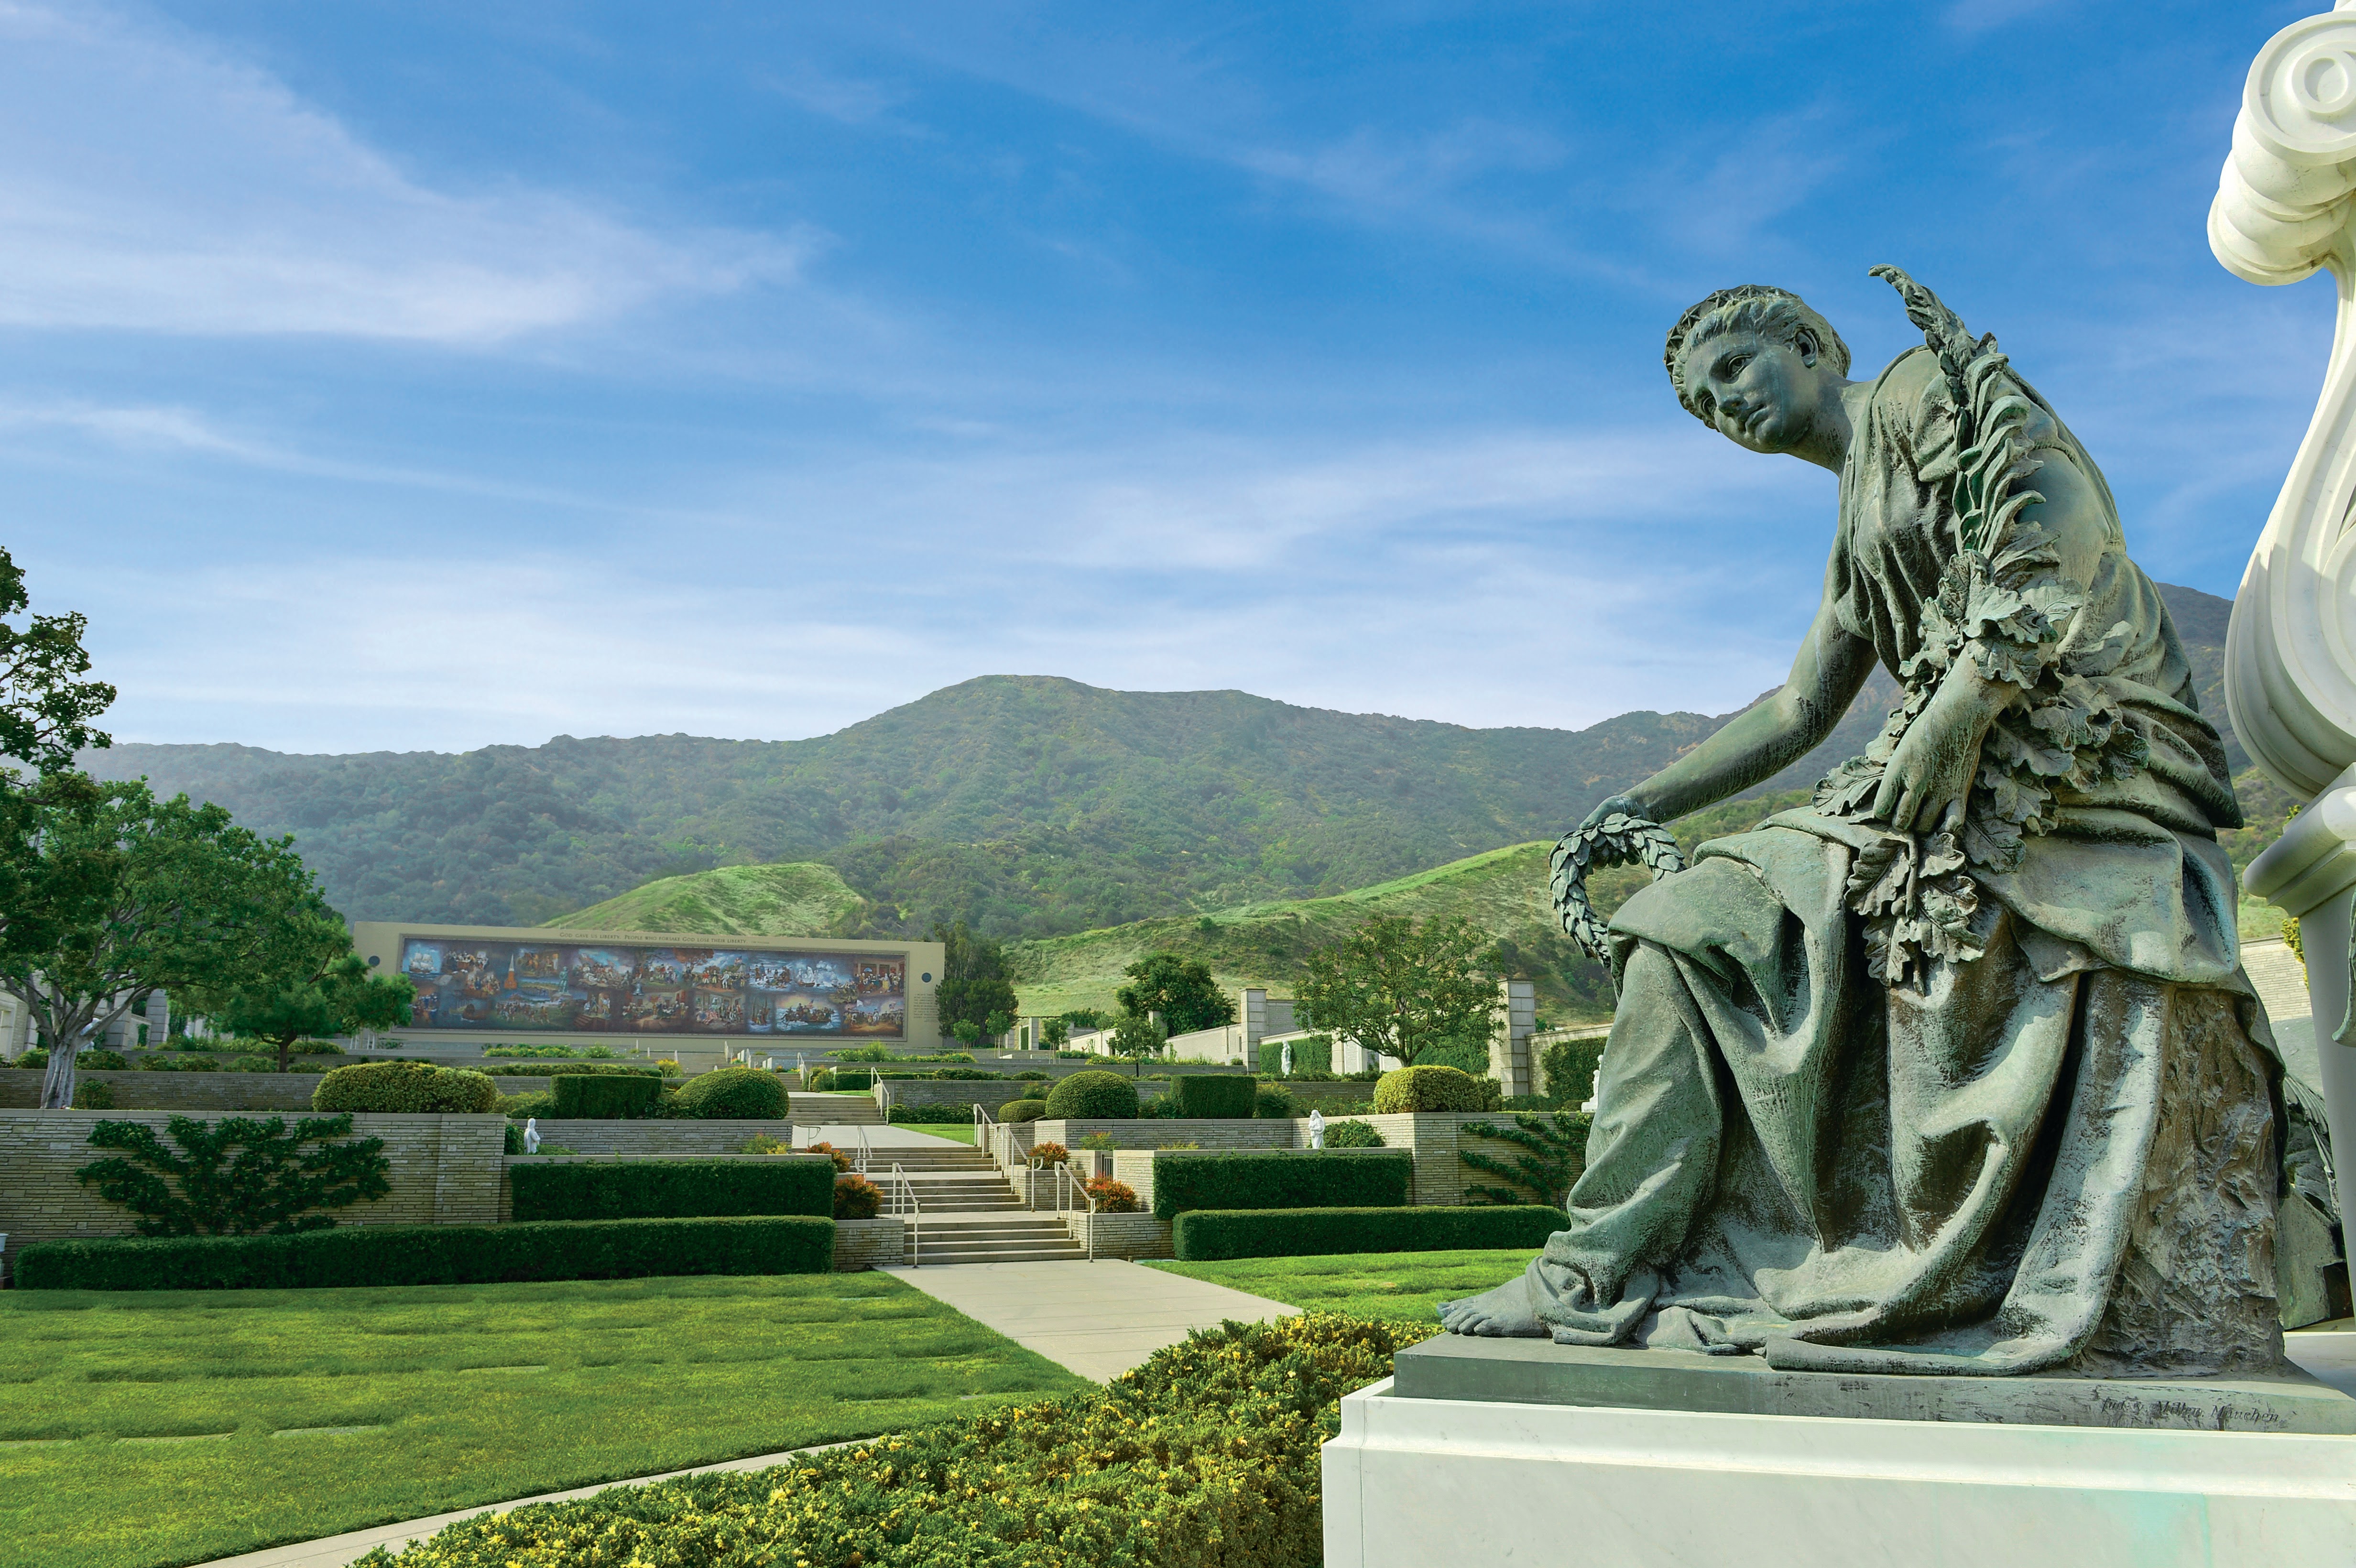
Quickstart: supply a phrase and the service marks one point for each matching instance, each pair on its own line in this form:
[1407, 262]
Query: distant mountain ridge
[1031, 806]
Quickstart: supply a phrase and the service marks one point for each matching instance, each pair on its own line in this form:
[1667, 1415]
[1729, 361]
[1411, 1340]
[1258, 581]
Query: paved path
[1097, 1318]
[335, 1551]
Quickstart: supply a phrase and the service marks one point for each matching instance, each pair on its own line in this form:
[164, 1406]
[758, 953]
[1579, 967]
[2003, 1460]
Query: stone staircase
[968, 1213]
[843, 1109]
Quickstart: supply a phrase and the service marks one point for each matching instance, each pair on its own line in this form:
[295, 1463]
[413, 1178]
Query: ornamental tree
[1398, 989]
[1181, 990]
[1138, 1036]
[107, 893]
[973, 979]
[307, 983]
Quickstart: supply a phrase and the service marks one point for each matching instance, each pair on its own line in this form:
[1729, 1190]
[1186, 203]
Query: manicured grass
[467, 1394]
[955, 1132]
[1401, 1286]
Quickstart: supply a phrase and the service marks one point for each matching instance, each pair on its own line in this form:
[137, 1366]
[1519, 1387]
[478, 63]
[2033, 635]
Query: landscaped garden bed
[292, 1414]
[1206, 1455]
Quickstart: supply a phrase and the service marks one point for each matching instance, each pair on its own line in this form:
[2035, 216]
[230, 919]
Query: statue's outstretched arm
[1768, 736]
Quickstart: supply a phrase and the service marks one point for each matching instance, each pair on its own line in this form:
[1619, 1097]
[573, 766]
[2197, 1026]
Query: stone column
[2280, 216]
[1251, 1013]
[1513, 1023]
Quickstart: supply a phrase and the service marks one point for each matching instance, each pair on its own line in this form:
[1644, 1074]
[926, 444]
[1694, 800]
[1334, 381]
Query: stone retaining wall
[1138, 1235]
[658, 1136]
[1153, 1132]
[446, 1170]
[870, 1243]
[20, 1090]
[984, 1092]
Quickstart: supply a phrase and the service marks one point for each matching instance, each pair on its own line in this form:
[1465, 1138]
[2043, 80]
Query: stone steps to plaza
[980, 1239]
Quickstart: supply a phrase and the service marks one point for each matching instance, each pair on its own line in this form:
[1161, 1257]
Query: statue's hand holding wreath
[1929, 778]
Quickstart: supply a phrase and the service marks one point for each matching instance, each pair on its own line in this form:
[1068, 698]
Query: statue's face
[1760, 394]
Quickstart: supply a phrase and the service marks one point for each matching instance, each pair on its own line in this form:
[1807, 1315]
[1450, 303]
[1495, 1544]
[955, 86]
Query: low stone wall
[1153, 1132]
[446, 1170]
[1138, 1235]
[20, 1090]
[870, 1243]
[662, 1136]
[989, 1093]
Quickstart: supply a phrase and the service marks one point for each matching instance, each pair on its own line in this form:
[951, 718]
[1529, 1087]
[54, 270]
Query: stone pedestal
[1712, 1474]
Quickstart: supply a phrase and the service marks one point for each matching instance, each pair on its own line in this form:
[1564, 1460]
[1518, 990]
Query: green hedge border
[436, 1255]
[1281, 1178]
[1204, 1235]
[673, 1189]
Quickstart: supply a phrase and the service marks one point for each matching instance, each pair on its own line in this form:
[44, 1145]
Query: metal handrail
[1087, 1203]
[858, 1160]
[899, 1189]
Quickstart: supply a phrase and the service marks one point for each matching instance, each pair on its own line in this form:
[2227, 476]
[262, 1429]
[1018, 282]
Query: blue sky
[394, 376]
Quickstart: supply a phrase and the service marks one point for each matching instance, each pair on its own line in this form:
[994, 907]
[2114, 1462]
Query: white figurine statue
[1316, 1127]
[531, 1134]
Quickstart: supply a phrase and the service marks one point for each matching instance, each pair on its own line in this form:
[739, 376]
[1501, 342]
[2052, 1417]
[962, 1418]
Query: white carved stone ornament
[2283, 211]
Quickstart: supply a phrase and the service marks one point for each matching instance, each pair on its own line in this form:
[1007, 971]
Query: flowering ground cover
[1399, 1288]
[140, 1429]
[1205, 1458]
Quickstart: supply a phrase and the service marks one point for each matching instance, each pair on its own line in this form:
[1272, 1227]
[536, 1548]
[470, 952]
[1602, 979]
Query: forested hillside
[1030, 806]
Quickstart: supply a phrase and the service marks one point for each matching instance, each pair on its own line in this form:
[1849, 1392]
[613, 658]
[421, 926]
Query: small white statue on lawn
[531, 1134]
[1316, 1127]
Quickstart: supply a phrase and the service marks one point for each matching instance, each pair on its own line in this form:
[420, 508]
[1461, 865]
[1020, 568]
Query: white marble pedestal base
[1441, 1483]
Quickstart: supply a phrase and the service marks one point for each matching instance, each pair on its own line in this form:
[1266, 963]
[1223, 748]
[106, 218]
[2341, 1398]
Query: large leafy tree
[306, 982]
[1400, 988]
[107, 892]
[45, 708]
[973, 979]
[1180, 989]
[1138, 1037]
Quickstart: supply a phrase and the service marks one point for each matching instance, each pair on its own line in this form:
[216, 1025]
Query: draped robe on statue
[1816, 1143]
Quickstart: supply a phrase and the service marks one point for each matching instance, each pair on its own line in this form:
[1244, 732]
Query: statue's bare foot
[1502, 1313]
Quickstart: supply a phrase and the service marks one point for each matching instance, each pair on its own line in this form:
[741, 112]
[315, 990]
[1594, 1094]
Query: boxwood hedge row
[673, 1189]
[1204, 1234]
[1281, 1178]
[436, 1255]
[588, 1097]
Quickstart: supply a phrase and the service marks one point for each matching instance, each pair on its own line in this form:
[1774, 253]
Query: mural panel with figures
[615, 988]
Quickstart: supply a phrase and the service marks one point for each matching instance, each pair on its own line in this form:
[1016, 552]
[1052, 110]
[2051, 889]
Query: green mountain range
[1037, 809]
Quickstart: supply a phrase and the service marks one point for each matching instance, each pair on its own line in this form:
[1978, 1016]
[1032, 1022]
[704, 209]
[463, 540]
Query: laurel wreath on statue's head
[1620, 839]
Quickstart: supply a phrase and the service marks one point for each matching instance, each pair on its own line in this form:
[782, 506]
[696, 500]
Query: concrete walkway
[1097, 1318]
[336, 1551]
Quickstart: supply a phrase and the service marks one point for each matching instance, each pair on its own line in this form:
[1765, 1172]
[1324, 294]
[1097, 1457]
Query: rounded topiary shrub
[1352, 1135]
[1092, 1096]
[856, 1197]
[405, 1087]
[734, 1094]
[1022, 1110]
[1433, 1089]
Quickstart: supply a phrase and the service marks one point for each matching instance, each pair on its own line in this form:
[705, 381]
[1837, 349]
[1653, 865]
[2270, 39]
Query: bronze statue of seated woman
[1957, 1070]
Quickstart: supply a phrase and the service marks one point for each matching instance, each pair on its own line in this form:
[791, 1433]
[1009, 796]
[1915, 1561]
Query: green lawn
[113, 1405]
[1403, 1286]
[955, 1132]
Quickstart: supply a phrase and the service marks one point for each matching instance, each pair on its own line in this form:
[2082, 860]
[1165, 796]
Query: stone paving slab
[1097, 1318]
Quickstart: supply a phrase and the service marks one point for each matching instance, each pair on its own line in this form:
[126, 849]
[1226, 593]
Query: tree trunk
[58, 1082]
[286, 1051]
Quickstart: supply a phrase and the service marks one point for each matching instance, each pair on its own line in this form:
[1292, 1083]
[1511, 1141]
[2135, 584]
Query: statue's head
[1750, 362]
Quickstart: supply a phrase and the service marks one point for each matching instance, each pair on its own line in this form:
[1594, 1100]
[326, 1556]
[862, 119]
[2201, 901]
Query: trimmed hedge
[734, 1094]
[1092, 1096]
[1204, 1234]
[847, 1079]
[406, 1087]
[1274, 1103]
[1353, 1135]
[583, 1097]
[1022, 1110]
[436, 1255]
[573, 1070]
[673, 1189]
[1209, 1095]
[1433, 1089]
[936, 1115]
[1281, 1178]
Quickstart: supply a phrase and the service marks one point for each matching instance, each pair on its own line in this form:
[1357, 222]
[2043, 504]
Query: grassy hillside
[1028, 806]
[794, 900]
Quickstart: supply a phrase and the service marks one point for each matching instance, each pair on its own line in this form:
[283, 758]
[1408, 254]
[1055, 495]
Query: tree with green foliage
[1079, 1018]
[107, 893]
[1181, 990]
[1401, 989]
[1055, 1034]
[1140, 1037]
[45, 707]
[308, 983]
[973, 979]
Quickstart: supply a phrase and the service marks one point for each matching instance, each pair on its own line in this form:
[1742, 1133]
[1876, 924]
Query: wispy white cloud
[148, 181]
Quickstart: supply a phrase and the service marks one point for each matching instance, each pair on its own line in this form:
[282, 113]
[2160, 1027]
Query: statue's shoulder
[1912, 413]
